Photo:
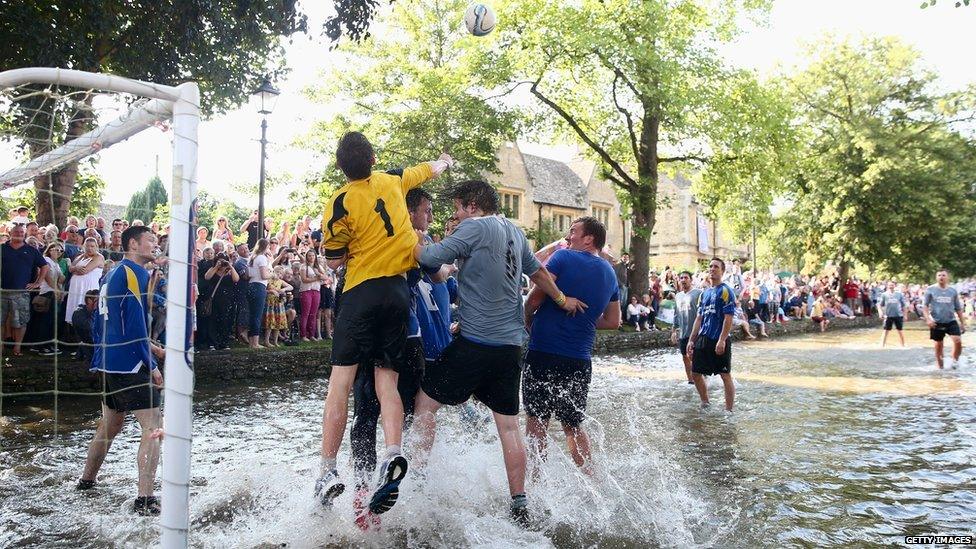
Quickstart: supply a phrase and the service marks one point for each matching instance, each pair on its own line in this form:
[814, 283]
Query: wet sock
[519, 501]
[392, 450]
[328, 464]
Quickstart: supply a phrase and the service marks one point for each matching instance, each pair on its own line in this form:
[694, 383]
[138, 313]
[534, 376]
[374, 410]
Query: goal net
[53, 125]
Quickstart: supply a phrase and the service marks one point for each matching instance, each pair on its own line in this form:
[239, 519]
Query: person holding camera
[222, 279]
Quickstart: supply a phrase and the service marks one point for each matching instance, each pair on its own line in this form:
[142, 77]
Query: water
[833, 442]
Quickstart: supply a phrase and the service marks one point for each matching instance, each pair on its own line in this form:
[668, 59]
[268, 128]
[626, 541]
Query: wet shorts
[704, 361]
[17, 304]
[372, 325]
[683, 345]
[556, 385]
[897, 321]
[943, 329]
[130, 392]
[465, 368]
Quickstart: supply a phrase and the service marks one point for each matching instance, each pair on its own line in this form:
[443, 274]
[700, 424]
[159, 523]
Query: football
[480, 19]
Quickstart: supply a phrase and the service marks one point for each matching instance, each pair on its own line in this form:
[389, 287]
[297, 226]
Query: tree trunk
[844, 272]
[645, 209]
[53, 191]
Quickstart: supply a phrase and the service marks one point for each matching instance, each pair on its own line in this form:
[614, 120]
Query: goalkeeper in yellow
[366, 227]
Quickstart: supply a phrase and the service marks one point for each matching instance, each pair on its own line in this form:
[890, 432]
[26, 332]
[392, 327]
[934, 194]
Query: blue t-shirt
[714, 305]
[588, 278]
[434, 315]
[122, 322]
[18, 266]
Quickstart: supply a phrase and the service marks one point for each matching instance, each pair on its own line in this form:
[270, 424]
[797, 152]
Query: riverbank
[240, 365]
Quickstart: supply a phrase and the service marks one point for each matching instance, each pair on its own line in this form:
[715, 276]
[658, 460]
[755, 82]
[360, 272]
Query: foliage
[932, 3]
[885, 176]
[544, 235]
[641, 85]
[89, 190]
[416, 94]
[143, 203]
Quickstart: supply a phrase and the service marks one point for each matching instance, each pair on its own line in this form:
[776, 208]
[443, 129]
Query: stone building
[534, 189]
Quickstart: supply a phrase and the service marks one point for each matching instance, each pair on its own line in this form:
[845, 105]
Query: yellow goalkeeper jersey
[368, 219]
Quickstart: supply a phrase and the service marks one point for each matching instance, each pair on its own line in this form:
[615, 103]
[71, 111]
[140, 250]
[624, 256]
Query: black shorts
[897, 321]
[704, 361]
[683, 345]
[467, 368]
[372, 326]
[130, 392]
[556, 385]
[943, 329]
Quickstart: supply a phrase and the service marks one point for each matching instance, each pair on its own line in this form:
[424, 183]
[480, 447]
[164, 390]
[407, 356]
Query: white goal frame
[182, 105]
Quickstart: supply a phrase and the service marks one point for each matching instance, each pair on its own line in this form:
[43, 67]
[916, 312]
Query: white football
[480, 19]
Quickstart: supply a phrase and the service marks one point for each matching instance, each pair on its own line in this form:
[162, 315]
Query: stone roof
[111, 211]
[555, 183]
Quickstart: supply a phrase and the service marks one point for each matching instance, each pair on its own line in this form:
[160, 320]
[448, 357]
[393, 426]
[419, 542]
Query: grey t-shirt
[893, 304]
[493, 254]
[686, 308]
[942, 303]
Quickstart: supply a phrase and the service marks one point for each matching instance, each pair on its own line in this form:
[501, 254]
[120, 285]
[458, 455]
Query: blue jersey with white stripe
[120, 329]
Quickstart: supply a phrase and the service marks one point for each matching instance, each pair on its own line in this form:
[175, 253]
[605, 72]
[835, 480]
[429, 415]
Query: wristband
[561, 299]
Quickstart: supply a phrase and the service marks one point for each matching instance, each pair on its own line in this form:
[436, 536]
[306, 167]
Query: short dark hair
[354, 156]
[593, 227]
[133, 233]
[23, 208]
[686, 273]
[942, 270]
[480, 194]
[91, 294]
[415, 196]
[720, 262]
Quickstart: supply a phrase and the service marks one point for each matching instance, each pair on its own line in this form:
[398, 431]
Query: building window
[511, 205]
[562, 222]
[602, 215]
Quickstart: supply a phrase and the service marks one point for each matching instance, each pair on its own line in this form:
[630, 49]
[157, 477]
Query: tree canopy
[885, 173]
[144, 203]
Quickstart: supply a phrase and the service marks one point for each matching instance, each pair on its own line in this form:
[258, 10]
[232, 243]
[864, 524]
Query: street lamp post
[266, 97]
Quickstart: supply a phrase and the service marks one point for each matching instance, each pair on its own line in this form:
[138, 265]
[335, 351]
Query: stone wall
[35, 374]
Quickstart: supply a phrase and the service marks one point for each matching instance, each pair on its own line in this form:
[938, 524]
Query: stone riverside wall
[35, 374]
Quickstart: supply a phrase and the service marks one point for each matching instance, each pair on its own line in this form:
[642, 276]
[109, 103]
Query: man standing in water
[708, 345]
[686, 312]
[125, 356]
[366, 227]
[942, 308]
[891, 307]
[484, 359]
[556, 377]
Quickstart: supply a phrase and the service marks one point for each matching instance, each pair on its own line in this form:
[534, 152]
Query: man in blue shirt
[124, 355]
[557, 372]
[709, 345]
[22, 269]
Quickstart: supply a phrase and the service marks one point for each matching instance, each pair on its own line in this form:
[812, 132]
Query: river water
[833, 442]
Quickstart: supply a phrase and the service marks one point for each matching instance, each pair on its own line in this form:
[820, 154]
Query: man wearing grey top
[484, 359]
[686, 309]
[942, 308]
[891, 308]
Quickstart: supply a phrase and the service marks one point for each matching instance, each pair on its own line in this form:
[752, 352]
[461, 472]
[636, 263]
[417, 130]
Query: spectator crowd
[272, 287]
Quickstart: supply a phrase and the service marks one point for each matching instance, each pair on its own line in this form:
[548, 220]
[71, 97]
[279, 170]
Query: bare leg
[391, 407]
[901, 337]
[701, 387]
[513, 451]
[884, 337]
[956, 347]
[18, 338]
[535, 433]
[687, 361]
[336, 409]
[579, 448]
[424, 425]
[729, 390]
[108, 427]
[148, 457]
[938, 354]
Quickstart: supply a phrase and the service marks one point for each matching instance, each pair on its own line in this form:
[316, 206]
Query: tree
[415, 94]
[88, 192]
[143, 203]
[226, 46]
[641, 85]
[886, 171]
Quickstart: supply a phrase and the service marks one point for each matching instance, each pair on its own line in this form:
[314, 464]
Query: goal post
[156, 103]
